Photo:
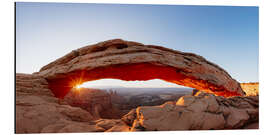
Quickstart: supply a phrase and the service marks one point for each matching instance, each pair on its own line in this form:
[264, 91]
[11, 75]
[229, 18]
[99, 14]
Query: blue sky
[225, 35]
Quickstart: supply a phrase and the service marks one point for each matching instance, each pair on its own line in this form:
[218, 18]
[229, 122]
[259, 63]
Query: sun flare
[78, 87]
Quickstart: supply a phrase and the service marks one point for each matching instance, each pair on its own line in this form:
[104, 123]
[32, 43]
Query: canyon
[48, 102]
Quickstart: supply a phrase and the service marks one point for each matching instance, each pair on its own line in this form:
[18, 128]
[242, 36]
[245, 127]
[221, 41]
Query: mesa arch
[130, 61]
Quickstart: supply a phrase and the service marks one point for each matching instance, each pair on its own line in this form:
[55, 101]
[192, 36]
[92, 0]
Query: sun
[78, 87]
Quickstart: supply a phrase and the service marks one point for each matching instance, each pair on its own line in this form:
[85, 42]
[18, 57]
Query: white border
[7, 59]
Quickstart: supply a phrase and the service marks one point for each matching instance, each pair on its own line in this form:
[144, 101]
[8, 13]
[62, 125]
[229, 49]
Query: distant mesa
[131, 61]
[251, 88]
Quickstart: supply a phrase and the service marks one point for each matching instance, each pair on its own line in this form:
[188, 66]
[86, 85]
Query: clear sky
[225, 35]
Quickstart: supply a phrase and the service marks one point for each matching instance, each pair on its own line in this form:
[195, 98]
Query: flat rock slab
[200, 112]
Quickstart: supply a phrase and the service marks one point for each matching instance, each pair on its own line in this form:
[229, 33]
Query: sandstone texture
[38, 111]
[251, 89]
[139, 62]
[200, 112]
[46, 103]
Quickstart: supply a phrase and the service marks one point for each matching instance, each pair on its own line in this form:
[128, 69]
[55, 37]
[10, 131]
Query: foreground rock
[113, 125]
[140, 62]
[38, 111]
[200, 112]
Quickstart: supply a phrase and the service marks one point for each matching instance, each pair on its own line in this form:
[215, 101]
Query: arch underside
[134, 72]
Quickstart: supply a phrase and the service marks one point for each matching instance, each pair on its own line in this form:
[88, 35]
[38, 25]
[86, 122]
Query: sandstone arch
[126, 60]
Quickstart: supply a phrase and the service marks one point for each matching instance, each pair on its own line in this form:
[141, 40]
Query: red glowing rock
[130, 61]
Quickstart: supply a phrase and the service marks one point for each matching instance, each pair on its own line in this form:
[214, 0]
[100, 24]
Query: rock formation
[200, 112]
[94, 101]
[139, 62]
[38, 109]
